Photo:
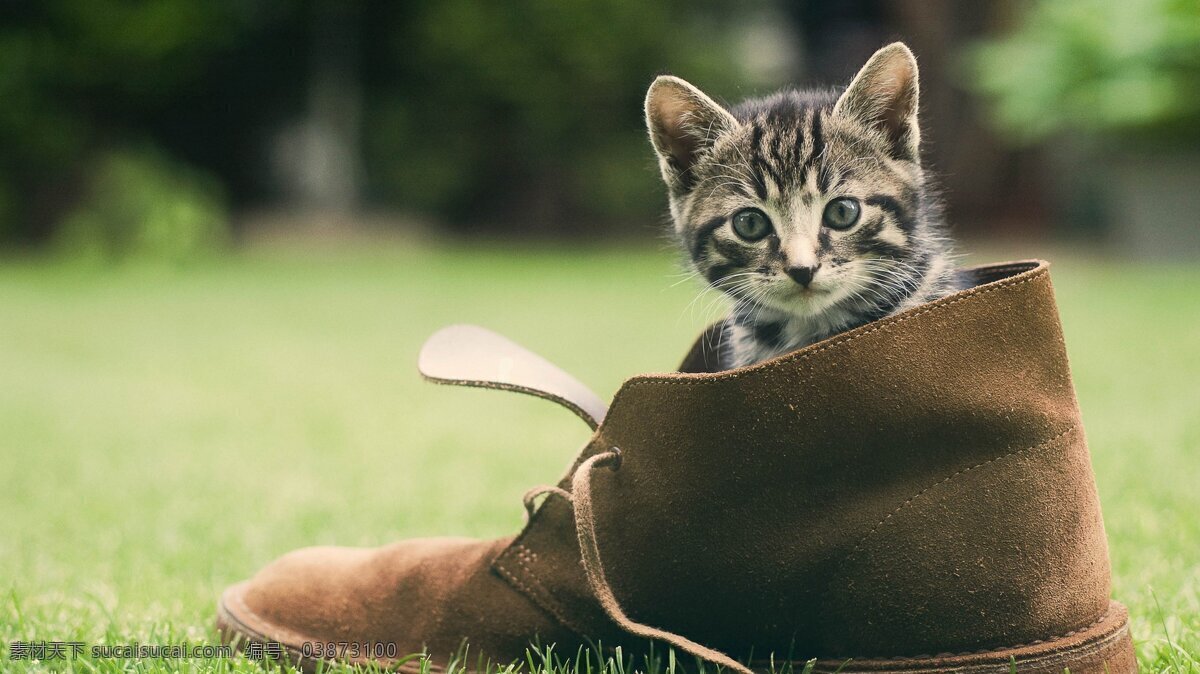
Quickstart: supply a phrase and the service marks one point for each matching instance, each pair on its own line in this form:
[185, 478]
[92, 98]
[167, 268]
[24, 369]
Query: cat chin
[804, 304]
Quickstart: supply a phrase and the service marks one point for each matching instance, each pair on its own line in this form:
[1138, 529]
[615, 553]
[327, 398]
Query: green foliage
[531, 110]
[525, 112]
[1097, 67]
[78, 76]
[144, 205]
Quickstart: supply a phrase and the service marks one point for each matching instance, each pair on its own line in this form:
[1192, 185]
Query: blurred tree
[79, 76]
[142, 204]
[524, 115]
[1107, 67]
[527, 115]
[1118, 83]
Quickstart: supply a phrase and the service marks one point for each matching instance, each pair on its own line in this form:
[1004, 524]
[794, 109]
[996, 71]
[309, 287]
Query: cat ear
[883, 95]
[684, 123]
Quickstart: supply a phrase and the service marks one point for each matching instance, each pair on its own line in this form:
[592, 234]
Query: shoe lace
[585, 524]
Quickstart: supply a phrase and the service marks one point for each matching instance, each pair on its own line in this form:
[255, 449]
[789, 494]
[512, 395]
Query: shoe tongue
[468, 355]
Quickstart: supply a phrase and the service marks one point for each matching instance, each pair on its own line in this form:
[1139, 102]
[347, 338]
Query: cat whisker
[685, 278]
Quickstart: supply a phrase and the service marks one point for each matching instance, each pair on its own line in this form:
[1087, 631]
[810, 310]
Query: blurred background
[226, 226]
[170, 128]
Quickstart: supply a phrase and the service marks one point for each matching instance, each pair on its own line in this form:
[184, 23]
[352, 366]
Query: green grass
[164, 433]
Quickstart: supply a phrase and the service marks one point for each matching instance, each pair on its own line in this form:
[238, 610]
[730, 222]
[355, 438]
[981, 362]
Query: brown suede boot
[911, 496]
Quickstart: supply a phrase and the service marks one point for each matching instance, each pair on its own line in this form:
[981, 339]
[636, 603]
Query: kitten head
[808, 204]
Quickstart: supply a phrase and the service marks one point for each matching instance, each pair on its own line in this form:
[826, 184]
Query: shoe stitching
[531, 586]
[534, 590]
[997, 272]
[538, 393]
[803, 354]
[525, 559]
[909, 500]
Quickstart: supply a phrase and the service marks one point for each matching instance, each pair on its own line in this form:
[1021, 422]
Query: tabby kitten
[808, 208]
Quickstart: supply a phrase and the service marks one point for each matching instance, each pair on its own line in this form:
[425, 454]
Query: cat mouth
[808, 292]
[804, 300]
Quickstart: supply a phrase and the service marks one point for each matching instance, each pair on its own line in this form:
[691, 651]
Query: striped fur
[789, 155]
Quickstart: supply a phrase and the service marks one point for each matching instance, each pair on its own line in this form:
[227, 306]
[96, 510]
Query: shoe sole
[243, 638]
[1104, 647]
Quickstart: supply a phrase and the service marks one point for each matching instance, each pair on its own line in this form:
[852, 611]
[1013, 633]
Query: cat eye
[841, 213]
[751, 224]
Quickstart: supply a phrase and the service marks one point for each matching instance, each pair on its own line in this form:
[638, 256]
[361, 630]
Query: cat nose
[803, 275]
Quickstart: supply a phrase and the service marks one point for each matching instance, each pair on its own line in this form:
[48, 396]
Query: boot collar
[468, 355]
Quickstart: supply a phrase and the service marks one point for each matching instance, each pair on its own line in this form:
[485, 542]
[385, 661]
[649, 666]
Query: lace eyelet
[616, 461]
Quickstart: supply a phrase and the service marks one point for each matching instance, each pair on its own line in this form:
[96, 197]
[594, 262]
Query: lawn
[165, 432]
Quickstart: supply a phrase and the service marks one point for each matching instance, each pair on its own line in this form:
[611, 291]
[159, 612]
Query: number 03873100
[348, 649]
